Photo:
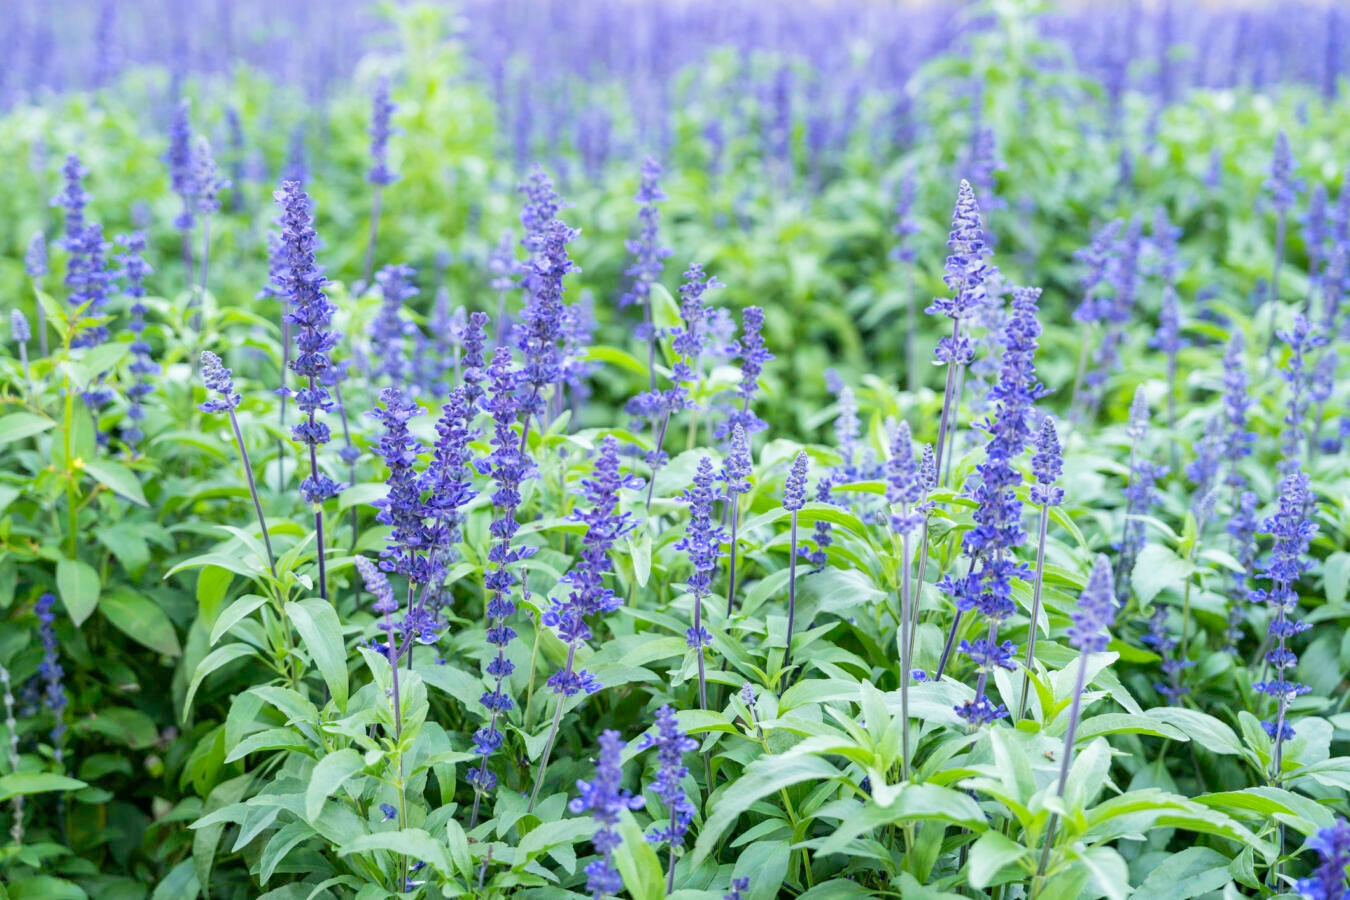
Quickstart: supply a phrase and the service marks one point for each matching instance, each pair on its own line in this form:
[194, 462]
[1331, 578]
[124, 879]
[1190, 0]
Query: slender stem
[23, 358]
[374, 233]
[188, 268]
[72, 480]
[947, 647]
[253, 492]
[792, 592]
[398, 735]
[206, 256]
[951, 443]
[947, 405]
[552, 732]
[659, 443]
[918, 587]
[732, 501]
[650, 328]
[906, 659]
[1039, 580]
[1067, 758]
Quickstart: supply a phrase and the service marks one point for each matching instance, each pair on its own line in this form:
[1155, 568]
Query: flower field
[620, 448]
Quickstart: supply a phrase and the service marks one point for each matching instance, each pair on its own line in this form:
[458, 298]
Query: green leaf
[19, 425]
[988, 855]
[78, 584]
[25, 783]
[329, 774]
[764, 776]
[1335, 576]
[413, 843]
[638, 863]
[139, 618]
[281, 843]
[127, 545]
[1190, 873]
[212, 661]
[913, 802]
[552, 834]
[117, 478]
[1210, 733]
[234, 613]
[1157, 568]
[321, 634]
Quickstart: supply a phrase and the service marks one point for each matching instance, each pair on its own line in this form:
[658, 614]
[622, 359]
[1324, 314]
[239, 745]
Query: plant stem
[206, 257]
[552, 732]
[946, 406]
[733, 502]
[1039, 580]
[1066, 759]
[792, 592]
[906, 602]
[253, 492]
[374, 233]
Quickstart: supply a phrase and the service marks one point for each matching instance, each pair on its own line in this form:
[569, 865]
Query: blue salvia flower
[473, 365]
[1327, 881]
[381, 111]
[1282, 184]
[671, 745]
[35, 257]
[1099, 260]
[142, 367]
[1320, 389]
[1115, 313]
[587, 594]
[310, 313]
[905, 222]
[737, 468]
[1162, 643]
[542, 205]
[987, 588]
[1095, 611]
[52, 675]
[217, 378]
[578, 329]
[605, 799]
[179, 159]
[1302, 339]
[402, 509]
[1238, 440]
[648, 253]
[18, 327]
[702, 541]
[1242, 528]
[387, 812]
[378, 584]
[1047, 464]
[503, 267]
[509, 466]
[1204, 470]
[390, 330]
[1333, 286]
[846, 431]
[542, 318]
[739, 887]
[1293, 530]
[1140, 492]
[206, 180]
[448, 481]
[1166, 261]
[1167, 338]
[905, 487]
[754, 354]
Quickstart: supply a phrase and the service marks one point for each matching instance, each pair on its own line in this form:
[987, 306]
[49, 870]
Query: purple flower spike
[381, 111]
[605, 799]
[1327, 881]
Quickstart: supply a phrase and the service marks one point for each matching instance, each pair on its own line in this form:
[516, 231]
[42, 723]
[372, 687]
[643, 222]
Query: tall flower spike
[1293, 530]
[382, 110]
[794, 498]
[736, 471]
[542, 319]
[587, 593]
[648, 255]
[605, 799]
[1284, 189]
[402, 508]
[1237, 441]
[309, 313]
[1169, 341]
[1302, 339]
[702, 541]
[390, 330]
[754, 354]
[448, 482]
[1047, 463]
[52, 675]
[905, 488]
[671, 745]
[143, 367]
[1140, 492]
[1242, 528]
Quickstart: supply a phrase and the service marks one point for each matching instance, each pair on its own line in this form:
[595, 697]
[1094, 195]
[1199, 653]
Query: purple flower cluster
[1238, 440]
[1095, 611]
[390, 330]
[1242, 528]
[648, 253]
[1140, 492]
[671, 745]
[218, 378]
[1047, 463]
[1302, 339]
[905, 487]
[605, 799]
[754, 354]
[967, 272]
[542, 320]
[51, 673]
[702, 541]
[587, 593]
[448, 481]
[309, 312]
[142, 367]
[382, 109]
[1327, 882]
[402, 509]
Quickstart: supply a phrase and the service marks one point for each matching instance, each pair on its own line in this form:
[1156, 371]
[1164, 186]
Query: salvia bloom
[1141, 492]
[1047, 463]
[702, 541]
[846, 431]
[18, 327]
[508, 466]
[218, 379]
[1327, 881]
[738, 465]
[1168, 337]
[905, 488]
[381, 111]
[905, 223]
[1293, 530]
[1117, 311]
[823, 534]
[179, 159]
[754, 354]
[51, 673]
[35, 258]
[967, 272]
[448, 482]
[542, 318]
[605, 799]
[648, 253]
[1099, 260]
[473, 365]
[671, 745]
[587, 593]
[309, 312]
[1282, 184]
[794, 489]
[1163, 643]
[739, 886]
[378, 584]
[390, 330]
[1095, 611]
[1302, 339]
[206, 181]
[402, 509]
[142, 367]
